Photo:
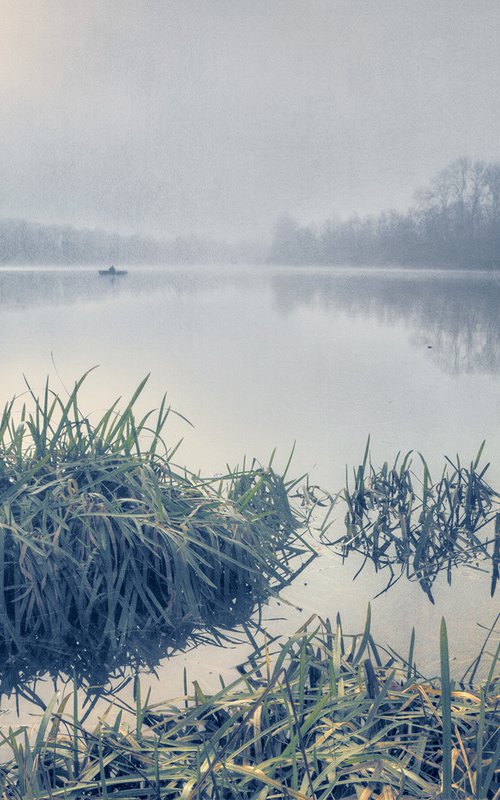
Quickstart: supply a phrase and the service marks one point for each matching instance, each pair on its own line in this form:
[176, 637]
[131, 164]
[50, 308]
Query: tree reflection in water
[457, 315]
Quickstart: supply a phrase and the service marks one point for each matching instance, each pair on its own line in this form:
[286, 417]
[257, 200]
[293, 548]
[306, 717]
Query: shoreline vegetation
[113, 557]
[321, 715]
[454, 223]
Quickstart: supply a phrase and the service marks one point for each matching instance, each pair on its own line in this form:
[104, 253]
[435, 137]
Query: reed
[106, 546]
[320, 715]
[396, 516]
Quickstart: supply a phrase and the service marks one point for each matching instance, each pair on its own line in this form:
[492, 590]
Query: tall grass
[322, 715]
[106, 546]
[397, 517]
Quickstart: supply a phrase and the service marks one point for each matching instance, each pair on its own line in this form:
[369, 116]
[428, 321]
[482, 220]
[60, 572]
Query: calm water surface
[258, 358]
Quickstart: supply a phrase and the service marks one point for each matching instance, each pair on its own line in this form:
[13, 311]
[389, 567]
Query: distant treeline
[23, 242]
[455, 222]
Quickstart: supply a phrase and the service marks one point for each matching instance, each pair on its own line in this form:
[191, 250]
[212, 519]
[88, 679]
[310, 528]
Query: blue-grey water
[259, 358]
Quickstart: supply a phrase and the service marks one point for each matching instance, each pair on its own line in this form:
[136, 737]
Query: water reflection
[99, 671]
[455, 315]
[25, 288]
[258, 358]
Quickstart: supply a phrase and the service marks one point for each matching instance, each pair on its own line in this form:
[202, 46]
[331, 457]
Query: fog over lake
[263, 358]
[216, 116]
[286, 215]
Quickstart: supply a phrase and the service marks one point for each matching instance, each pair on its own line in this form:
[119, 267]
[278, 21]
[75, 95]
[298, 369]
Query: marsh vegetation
[402, 522]
[320, 715]
[113, 558]
[110, 555]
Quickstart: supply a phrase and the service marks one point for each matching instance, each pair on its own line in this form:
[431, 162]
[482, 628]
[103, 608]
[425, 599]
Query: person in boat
[112, 269]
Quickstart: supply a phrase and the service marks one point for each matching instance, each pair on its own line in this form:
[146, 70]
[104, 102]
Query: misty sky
[216, 116]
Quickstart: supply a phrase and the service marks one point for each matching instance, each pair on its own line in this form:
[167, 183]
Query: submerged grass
[397, 516]
[106, 546]
[322, 715]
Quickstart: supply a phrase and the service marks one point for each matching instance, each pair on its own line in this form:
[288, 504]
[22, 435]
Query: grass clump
[398, 517]
[106, 546]
[322, 715]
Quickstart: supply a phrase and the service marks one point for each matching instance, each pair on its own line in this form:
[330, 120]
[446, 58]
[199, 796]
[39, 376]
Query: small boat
[112, 271]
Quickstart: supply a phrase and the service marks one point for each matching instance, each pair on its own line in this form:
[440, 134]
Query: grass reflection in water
[400, 520]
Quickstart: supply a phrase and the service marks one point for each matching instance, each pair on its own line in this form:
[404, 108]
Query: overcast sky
[216, 116]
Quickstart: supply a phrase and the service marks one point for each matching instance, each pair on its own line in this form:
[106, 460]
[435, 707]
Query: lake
[258, 358]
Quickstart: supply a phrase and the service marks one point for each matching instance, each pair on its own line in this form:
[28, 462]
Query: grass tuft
[107, 550]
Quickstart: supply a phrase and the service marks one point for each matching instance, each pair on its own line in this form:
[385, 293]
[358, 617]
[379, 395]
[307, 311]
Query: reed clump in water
[399, 517]
[324, 715]
[104, 543]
